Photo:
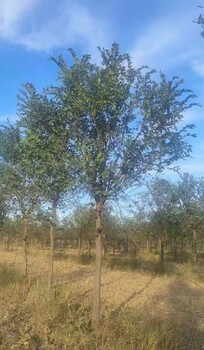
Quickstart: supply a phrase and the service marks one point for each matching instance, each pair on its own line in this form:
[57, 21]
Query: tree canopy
[125, 120]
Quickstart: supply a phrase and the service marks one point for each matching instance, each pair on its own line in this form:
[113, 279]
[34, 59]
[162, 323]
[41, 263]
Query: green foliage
[4, 199]
[191, 195]
[46, 151]
[200, 21]
[124, 121]
[84, 222]
[9, 141]
[19, 185]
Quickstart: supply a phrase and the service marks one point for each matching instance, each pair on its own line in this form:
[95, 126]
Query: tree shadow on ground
[132, 296]
[82, 259]
[144, 265]
[174, 318]
[74, 276]
[9, 275]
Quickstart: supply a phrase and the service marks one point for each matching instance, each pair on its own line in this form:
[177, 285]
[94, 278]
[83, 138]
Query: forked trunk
[52, 232]
[25, 242]
[97, 284]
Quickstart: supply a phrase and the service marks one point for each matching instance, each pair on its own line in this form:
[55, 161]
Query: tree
[162, 201]
[111, 229]
[126, 123]
[83, 219]
[190, 192]
[200, 21]
[4, 202]
[47, 152]
[20, 186]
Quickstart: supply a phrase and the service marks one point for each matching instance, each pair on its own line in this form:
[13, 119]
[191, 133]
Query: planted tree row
[98, 132]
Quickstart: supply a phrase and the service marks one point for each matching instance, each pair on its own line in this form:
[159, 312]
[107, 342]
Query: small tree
[4, 203]
[191, 205]
[83, 220]
[20, 186]
[162, 201]
[125, 123]
[47, 153]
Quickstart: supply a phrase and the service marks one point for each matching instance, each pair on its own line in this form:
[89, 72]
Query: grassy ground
[142, 309]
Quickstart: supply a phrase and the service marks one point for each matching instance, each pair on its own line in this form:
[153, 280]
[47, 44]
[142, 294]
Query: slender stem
[97, 284]
[52, 232]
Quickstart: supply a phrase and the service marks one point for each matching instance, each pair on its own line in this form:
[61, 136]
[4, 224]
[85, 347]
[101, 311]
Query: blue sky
[159, 33]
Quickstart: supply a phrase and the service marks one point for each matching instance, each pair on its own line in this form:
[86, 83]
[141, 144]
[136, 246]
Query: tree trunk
[8, 241]
[52, 232]
[194, 247]
[175, 249]
[89, 247]
[25, 242]
[182, 248]
[97, 284]
[105, 247]
[80, 245]
[114, 246]
[126, 245]
[161, 253]
[147, 245]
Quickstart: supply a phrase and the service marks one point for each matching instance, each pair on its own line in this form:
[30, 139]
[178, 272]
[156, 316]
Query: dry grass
[141, 310]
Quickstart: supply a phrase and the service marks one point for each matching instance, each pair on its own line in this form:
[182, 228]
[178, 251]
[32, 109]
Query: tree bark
[114, 247]
[89, 247]
[182, 248]
[194, 245]
[8, 241]
[52, 232]
[25, 242]
[175, 249]
[161, 252]
[97, 284]
[80, 245]
[105, 246]
[147, 245]
[126, 244]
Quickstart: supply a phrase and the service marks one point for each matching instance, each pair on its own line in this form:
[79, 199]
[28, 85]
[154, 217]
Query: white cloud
[191, 116]
[72, 24]
[156, 43]
[69, 23]
[12, 15]
[198, 66]
[170, 42]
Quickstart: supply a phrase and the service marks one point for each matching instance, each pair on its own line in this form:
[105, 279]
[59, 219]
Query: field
[142, 309]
